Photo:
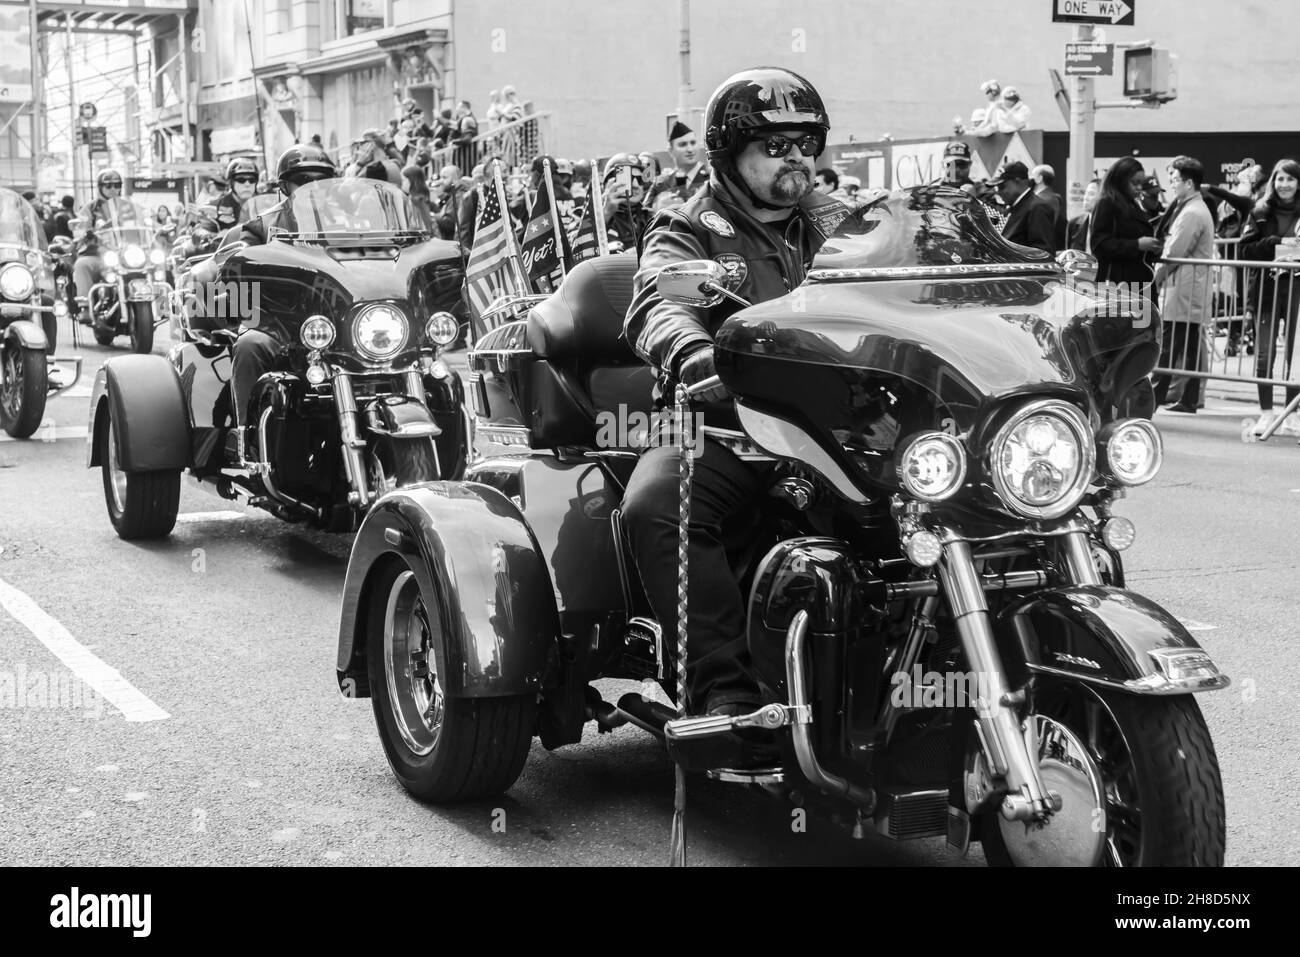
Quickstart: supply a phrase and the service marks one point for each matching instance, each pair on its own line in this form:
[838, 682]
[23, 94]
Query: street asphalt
[224, 635]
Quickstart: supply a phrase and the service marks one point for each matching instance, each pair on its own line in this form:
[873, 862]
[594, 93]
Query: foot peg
[768, 718]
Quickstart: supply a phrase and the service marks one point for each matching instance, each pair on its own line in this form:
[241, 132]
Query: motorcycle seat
[586, 366]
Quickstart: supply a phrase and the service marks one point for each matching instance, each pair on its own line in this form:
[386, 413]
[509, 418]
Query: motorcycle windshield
[927, 226]
[343, 210]
[122, 224]
[19, 224]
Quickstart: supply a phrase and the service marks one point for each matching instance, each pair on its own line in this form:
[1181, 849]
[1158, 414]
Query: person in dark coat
[1031, 220]
[1079, 233]
[1272, 233]
[1123, 239]
[1044, 179]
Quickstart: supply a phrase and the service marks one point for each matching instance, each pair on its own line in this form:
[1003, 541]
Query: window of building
[365, 15]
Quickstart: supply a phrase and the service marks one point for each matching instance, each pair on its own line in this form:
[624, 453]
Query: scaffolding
[124, 67]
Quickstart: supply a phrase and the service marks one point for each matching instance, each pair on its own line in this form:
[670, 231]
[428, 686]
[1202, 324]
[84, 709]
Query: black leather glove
[697, 367]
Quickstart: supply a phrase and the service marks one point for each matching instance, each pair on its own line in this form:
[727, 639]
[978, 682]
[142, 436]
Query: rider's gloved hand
[697, 367]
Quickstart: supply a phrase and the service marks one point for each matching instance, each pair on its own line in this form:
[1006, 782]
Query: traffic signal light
[1149, 74]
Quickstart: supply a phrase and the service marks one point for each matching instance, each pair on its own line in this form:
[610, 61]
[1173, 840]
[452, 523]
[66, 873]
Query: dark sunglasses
[245, 179]
[777, 145]
[109, 184]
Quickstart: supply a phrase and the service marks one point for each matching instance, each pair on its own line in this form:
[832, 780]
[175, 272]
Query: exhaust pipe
[801, 733]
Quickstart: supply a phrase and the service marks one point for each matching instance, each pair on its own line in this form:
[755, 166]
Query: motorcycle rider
[624, 210]
[254, 351]
[241, 179]
[760, 217]
[107, 211]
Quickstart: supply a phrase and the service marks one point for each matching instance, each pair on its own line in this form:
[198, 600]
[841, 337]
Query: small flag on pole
[488, 274]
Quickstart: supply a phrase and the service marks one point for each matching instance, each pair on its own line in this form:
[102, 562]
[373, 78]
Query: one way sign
[1115, 12]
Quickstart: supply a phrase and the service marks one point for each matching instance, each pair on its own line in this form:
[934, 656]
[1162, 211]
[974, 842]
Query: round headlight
[157, 256]
[442, 328]
[17, 282]
[111, 259]
[933, 467]
[134, 257]
[109, 276]
[1131, 451]
[1042, 459]
[317, 332]
[380, 332]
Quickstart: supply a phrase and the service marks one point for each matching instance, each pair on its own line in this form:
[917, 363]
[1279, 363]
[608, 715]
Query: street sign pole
[1083, 115]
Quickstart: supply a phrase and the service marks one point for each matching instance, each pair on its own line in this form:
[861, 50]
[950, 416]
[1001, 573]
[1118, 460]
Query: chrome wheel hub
[117, 477]
[1075, 835]
[410, 667]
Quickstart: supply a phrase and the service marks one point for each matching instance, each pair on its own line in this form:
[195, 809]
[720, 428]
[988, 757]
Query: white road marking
[78, 392]
[90, 668]
[47, 434]
[191, 517]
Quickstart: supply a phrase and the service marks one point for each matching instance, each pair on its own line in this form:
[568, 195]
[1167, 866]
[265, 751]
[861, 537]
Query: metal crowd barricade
[1249, 337]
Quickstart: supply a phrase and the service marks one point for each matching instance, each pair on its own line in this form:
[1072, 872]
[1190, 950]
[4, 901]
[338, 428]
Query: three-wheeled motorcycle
[29, 313]
[936, 607]
[127, 301]
[359, 401]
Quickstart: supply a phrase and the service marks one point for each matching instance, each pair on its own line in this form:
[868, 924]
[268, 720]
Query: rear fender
[474, 555]
[1110, 637]
[28, 334]
[150, 419]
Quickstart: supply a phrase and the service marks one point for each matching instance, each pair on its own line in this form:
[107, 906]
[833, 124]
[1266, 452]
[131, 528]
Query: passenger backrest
[581, 325]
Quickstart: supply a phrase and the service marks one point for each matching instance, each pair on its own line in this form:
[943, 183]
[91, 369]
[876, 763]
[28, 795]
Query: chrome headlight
[933, 467]
[442, 328]
[112, 259]
[1043, 458]
[317, 332]
[17, 282]
[380, 331]
[134, 257]
[1130, 451]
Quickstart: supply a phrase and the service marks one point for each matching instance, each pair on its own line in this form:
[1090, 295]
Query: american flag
[585, 243]
[543, 262]
[487, 275]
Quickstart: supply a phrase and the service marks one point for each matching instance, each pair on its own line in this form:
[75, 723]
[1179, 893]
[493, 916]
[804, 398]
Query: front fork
[345, 402]
[1009, 748]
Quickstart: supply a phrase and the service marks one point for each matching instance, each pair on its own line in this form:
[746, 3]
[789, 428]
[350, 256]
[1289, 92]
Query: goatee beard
[791, 186]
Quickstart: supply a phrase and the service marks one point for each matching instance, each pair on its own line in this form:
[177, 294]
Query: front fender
[150, 419]
[28, 334]
[1111, 637]
[473, 555]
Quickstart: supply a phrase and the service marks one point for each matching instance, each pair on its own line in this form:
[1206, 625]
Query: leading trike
[30, 372]
[937, 608]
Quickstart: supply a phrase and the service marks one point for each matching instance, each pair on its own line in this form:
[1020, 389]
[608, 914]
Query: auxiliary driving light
[442, 328]
[1130, 451]
[316, 374]
[933, 467]
[112, 259]
[923, 549]
[1118, 533]
[317, 333]
[157, 256]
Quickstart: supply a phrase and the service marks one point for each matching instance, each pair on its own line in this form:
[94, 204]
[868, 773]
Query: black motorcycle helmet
[752, 101]
[240, 166]
[303, 163]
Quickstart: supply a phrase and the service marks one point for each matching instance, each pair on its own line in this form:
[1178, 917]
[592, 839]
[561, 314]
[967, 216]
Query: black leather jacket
[770, 258]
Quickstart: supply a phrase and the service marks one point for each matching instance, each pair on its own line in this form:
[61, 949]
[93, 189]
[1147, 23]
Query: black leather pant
[724, 512]
[253, 354]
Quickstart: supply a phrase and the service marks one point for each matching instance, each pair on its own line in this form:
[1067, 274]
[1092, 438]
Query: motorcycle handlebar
[704, 385]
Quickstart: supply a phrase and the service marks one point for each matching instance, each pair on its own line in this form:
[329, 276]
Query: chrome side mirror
[1075, 261]
[696, 282]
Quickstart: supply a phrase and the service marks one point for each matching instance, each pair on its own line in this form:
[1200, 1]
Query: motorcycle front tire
[141, 327]
[29, 386]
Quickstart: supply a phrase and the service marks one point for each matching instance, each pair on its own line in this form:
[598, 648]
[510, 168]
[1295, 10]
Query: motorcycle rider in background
[254, 351]
[760, 217]
[107, 211]
[241, 179]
